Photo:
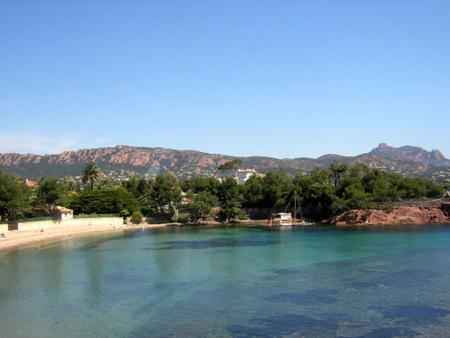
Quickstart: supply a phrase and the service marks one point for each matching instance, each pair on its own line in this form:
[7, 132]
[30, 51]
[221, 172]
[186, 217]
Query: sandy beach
[12, 240]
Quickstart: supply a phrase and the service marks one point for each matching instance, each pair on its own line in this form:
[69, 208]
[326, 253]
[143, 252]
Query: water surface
[231, 282]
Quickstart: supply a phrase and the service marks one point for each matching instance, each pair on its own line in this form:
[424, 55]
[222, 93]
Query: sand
[34, 238]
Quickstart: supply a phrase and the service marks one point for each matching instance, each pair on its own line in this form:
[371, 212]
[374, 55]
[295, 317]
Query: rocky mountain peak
[383, 147]
[410, 153]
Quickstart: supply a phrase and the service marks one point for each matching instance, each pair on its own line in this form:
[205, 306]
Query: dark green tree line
[321, 193]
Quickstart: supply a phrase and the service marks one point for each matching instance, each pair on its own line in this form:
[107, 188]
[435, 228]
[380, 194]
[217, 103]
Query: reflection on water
[214, 243]
[231, 282]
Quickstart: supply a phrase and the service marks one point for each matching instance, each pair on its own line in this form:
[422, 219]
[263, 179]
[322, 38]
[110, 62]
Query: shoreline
[24, 239]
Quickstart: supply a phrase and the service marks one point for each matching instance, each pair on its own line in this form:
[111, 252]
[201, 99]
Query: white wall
[66, 216]
[95, 221]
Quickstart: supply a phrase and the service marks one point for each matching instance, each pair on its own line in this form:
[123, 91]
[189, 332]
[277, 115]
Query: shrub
[183, 218]
[201, 205]
[136, 217]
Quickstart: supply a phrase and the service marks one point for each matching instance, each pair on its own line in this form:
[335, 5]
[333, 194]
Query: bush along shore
[340, 194]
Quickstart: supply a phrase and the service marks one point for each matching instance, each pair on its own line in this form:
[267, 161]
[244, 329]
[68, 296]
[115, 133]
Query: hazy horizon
[285, 80]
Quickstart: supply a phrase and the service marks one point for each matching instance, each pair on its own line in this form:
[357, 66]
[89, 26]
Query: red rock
[399, 216]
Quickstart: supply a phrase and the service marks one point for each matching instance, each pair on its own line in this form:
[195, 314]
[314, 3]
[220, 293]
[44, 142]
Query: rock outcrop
[409, 153]
[409, 215]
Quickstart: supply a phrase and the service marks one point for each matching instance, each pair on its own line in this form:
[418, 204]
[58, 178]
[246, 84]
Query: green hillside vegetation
[322, 194]
[230, 165]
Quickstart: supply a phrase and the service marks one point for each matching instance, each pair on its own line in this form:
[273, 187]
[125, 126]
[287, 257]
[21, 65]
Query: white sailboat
[285, 220]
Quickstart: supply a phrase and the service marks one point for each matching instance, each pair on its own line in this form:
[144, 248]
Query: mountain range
[123, 161]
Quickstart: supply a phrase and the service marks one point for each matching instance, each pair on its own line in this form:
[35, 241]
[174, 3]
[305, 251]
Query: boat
[285, 220]
[281, 219]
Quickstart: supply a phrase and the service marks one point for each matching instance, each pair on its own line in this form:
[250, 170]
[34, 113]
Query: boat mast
[295, 206]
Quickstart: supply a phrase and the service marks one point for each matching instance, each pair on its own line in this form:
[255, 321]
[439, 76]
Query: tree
[337, 170]
[199, 184]
[50, 192]
[91, 173]
[230, 200]
[142, 190]
[316, 194]
[70, 185]
[354, 196]
[228, 190]
[165, 195]
[200, 206]
[107, 201]
[137, 186]
[124, 213]
[253, 192]
[231, 210]
[277, 188]
[14, 197]
[352, 191]
[230, 165]
[136, 217]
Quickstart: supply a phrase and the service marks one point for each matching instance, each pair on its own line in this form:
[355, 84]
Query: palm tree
[91, 173]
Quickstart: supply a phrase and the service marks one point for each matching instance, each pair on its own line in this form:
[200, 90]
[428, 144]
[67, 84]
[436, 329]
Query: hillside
[122, 161]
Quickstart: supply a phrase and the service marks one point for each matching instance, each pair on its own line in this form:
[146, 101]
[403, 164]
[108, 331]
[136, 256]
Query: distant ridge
[408, 160]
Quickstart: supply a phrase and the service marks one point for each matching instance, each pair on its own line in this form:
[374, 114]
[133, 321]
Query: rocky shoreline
[408, 215]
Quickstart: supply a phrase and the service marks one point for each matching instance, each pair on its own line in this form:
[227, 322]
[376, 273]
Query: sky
[281, 78]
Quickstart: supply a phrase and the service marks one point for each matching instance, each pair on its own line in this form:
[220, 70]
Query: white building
[240, 175]
[243, 175]
[62, 213]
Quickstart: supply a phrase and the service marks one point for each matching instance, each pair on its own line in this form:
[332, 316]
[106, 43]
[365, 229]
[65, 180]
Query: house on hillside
[31, 184]
[185, 200]
[240, 175]
[243, 175]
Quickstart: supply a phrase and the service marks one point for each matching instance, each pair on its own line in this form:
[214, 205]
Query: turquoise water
[231, 282]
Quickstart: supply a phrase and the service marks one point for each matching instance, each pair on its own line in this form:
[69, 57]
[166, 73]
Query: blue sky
[277, 78]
